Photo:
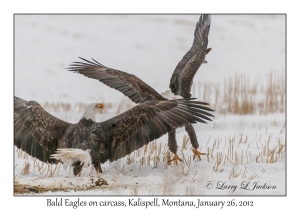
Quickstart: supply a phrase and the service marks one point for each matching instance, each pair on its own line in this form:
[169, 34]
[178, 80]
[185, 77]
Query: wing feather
[182, 78]
[144, 123]
[36, 131]
[119, 80]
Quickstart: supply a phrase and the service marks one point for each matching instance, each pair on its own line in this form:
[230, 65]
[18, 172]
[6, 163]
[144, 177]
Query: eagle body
[181, 83]
[41, 135]
[139, 92]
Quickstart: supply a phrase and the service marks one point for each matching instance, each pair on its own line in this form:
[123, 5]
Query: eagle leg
[197, 154]
[175, 158]
[77, 168]
[192, 134]
[97, 166]
[173, 146]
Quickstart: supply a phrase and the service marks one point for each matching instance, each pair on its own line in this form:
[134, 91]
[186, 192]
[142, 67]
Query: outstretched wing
[36, 131]
[129, 84]
[182, 78]
[145, 122]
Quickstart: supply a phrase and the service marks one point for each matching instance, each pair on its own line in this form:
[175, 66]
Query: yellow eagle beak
[99, 106]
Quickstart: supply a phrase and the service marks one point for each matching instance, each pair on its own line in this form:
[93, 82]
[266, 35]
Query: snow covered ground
[243, 148]
[244, 151]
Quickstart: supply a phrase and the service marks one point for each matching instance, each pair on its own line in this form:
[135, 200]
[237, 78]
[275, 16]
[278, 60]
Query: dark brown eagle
[182, 78]
[40, 134]
[138, 91]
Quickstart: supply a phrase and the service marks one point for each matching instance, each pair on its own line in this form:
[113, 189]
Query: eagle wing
[145, 122]
[182, 78]
[36, 131]
[129, 84]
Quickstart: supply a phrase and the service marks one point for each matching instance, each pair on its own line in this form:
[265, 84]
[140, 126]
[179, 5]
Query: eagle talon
[197, 153]
[175, 158]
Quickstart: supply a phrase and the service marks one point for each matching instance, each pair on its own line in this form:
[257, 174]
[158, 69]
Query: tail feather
[70, 156]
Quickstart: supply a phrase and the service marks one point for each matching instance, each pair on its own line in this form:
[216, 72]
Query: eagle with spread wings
[41, 134]
[138, 91]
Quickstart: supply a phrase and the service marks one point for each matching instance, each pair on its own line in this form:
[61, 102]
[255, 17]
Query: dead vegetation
[238, 95]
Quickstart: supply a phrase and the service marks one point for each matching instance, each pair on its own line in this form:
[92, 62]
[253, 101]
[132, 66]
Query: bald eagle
[182, 78]
[138, 91]
[40, 134]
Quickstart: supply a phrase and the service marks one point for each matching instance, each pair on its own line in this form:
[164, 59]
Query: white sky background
[31, 6]
[148, 46]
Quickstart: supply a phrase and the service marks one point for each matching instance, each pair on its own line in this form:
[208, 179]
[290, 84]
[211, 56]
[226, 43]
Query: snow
[150, 46]
[184, 179]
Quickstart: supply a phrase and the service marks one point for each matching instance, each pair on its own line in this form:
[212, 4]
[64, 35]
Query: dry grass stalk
[208, 154]
[156, 160]
[177, 179]
[159, 149]
[246, 139]
[129, 160]
[53, 172]
[240, 96]
[253, 176]
[283, 127]
[26, 169]
[168, 157]
[274, 123]
[219, 141]
[245, 173]
[142, 161]
[234, 174]
[165, 190]
[250, 156]
[260, 138]
[270, 157]
[257, 157]
[212, 150]
[134, 191]
[189, 190]
[192, 180]
[208, 140]
[112, 184]
[185, 142]
[70, 171]
[218, 162]
[187, 162]
[148, 160]
[145, 149]
[236, 158]
[241, 140]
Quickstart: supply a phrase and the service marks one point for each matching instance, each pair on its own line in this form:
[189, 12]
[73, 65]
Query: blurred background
[247, 57]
